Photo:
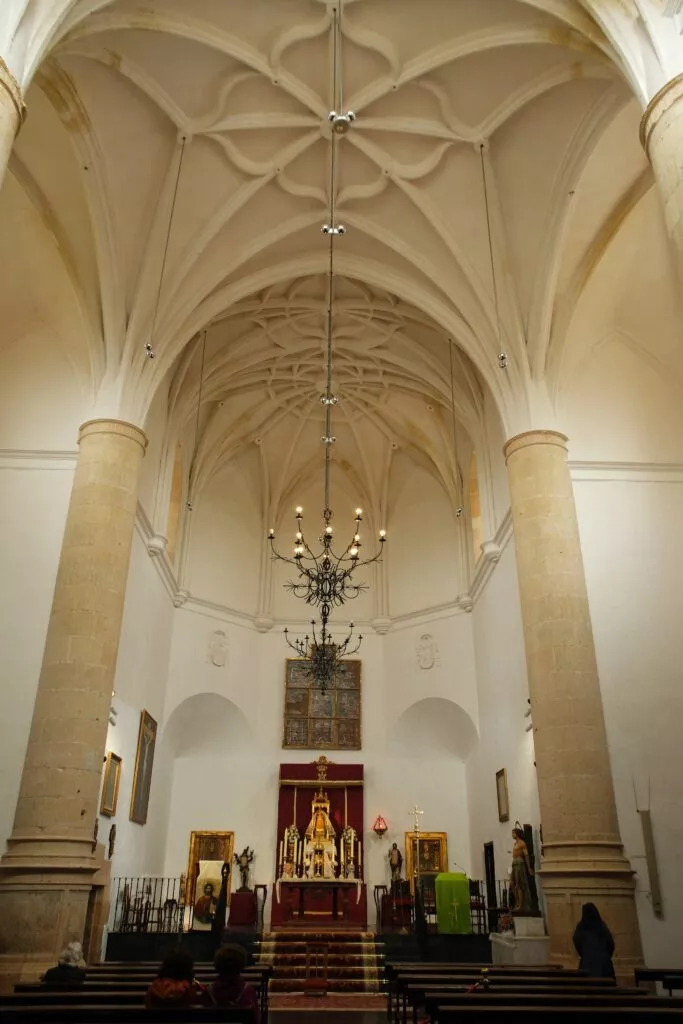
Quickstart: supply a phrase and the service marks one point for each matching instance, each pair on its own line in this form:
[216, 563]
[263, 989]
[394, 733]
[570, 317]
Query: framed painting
[315, 720]
[426, 855]
[110, 785]
[207, 849]
[144, 762]
[502, 795]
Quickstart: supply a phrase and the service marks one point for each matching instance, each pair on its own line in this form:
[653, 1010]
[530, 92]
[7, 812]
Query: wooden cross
[415, 813]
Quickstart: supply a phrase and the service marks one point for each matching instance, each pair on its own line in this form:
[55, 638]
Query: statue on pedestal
[243, 861]
[320, 851]
[521, 875]
[395, 863]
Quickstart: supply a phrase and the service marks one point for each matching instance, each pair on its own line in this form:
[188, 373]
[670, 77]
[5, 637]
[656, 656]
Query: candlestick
[360, 858]
[281, 858]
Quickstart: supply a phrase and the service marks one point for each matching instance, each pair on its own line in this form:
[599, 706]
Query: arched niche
[207, 725]
[434, 725]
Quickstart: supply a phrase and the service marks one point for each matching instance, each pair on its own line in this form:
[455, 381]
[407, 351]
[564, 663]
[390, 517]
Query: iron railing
[148, 904]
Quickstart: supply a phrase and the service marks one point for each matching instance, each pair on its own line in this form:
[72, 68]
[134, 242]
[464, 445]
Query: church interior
[341, 473]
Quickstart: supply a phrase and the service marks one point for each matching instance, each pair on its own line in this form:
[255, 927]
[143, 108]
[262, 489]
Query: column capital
[10, 86]
[534, 437]
[660, 103]
[117, 427]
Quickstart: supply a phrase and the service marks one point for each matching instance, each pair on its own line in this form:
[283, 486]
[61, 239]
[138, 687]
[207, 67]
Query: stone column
[661, 133]
[583, 858]
[47, 873]
[12, 111]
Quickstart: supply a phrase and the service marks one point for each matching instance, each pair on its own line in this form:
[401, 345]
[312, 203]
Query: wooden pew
[673, 983]
[638, 1014]
[578, 1000]
[83, 1013]
[654, 974]
[398, 1006]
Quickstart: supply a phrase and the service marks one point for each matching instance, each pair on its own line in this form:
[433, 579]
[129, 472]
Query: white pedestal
[519, 950]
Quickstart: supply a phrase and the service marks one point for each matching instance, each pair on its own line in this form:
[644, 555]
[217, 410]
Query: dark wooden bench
[83, 1013]
[421, 996]
[673, 983]
[578, 1000]
[637, 1014]
[400, 984]
[653, 974]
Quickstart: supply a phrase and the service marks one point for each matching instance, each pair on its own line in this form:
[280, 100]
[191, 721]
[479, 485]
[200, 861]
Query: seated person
[175, 985]
[68, 971]
[229, 989]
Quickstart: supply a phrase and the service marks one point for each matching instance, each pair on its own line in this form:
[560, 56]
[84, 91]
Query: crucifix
[415, 813]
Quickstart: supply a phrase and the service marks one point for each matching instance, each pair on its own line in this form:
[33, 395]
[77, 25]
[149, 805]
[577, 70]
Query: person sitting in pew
[68, 973]
[594, 943]
[229, 989]
[175, 985]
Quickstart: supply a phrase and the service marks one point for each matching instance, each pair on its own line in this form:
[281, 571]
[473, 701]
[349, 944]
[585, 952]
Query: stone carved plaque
[427, 652]
[217, 650]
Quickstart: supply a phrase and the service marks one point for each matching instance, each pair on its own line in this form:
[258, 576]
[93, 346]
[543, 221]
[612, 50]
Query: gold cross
[415, 813]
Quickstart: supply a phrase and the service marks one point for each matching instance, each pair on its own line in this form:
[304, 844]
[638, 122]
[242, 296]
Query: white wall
[503, 692]
[224, 728]
[140, 683]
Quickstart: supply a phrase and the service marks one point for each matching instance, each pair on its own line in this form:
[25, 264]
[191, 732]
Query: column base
[45, 887]
[574, 873]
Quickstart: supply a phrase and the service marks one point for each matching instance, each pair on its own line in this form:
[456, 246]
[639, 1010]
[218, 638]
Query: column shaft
[46, 874]
[12, 112]
[661, 133]
[583, 858]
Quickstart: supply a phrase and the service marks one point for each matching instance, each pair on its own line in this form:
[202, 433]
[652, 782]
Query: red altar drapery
[344, 786]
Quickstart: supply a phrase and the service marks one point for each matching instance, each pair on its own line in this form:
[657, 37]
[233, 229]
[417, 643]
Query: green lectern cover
[453, 904]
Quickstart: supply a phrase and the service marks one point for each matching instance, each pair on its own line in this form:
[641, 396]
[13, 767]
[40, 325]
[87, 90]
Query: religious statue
[395, 863]
[521, 874]
[320, 852]
[205, 907]
[243, 861]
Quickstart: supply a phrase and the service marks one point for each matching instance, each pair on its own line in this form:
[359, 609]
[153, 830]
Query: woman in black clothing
[594, 943]
[68, 971]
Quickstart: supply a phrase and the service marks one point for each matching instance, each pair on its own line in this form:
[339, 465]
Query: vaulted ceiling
[235, 94]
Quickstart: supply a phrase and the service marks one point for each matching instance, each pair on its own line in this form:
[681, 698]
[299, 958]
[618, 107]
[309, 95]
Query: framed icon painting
[144, 763]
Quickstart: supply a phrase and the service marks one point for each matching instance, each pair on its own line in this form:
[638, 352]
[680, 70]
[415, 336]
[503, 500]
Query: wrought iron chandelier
[325, 577]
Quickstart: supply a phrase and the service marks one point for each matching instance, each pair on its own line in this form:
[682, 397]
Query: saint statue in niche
[218, 649]
[427, 652]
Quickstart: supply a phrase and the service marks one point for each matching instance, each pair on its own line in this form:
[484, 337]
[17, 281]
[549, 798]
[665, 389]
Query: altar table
[453, 904]
[317, 887]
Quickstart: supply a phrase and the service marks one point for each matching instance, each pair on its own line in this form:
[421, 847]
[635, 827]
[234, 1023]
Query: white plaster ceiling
[247, 82]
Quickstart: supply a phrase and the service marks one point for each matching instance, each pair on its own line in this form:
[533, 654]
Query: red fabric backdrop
[344, 800]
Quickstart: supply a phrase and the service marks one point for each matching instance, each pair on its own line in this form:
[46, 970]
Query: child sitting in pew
[229, 989]
[175, 985]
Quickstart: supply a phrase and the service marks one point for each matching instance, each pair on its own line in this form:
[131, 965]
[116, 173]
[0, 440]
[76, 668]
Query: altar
[319, 866]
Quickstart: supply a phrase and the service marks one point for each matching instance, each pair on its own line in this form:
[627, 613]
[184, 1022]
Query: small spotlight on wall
[149, 351]
[503, 360]
[458, 513]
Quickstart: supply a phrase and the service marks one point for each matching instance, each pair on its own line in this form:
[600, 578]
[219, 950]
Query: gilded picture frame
[502, 795]
[110, 785]
[144, 764]
[313, 720]
[429, 852]
[207, 845]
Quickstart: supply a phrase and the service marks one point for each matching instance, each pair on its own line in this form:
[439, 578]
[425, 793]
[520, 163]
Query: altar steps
[355, 961]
